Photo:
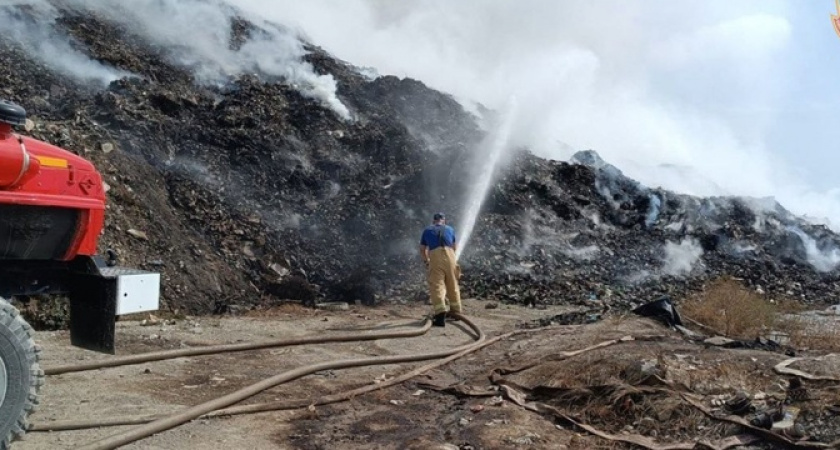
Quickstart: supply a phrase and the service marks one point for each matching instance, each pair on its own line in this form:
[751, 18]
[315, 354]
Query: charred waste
[248, 187]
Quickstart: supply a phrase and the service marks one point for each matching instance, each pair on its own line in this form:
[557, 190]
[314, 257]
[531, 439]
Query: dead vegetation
[731, 309]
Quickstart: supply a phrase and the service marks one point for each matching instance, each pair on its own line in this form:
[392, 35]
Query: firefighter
[437, 248]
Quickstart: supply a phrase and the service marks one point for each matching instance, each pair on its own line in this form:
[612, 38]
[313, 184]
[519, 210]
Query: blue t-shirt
[438, 235]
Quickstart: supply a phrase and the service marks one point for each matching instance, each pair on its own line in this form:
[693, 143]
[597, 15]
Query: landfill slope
[251, 192]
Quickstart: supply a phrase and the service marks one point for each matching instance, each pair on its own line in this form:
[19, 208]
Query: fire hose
[230, 348]
[159, 424]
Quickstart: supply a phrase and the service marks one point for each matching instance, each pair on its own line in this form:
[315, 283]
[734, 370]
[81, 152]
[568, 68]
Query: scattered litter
[152, 320]
[784, 369]
[719, 341]
[380, 378]
[495, 401]
[781, 337]
[138, 234]
[528, 439]
[796, 391]
[739, 404]
[787, 420]
[662, 310]
[688, 333]
[640, 372]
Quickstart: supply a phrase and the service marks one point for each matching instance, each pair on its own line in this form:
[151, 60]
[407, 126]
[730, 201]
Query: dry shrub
[731, 309]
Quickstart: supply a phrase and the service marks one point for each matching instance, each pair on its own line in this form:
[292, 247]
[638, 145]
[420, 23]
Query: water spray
[498, 141]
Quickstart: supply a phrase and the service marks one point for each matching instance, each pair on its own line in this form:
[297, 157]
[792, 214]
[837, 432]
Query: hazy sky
[707, 97]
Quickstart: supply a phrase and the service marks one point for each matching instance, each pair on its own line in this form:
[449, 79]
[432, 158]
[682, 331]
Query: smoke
[536, 236]
[743, 247]
[586, 253]
[681, 258]
[825, 259]
[197, 34]
[685, 95]
[334, 190]
[653, 210]
[31, 25]
[196, 170]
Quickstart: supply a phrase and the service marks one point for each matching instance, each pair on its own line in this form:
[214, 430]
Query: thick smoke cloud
[679, 94]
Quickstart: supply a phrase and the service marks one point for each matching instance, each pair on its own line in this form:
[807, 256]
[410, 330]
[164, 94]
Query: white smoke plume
[193, 33]
[824, 260]
[680, 259]
[33, 29]
[743, 247]
[586, 253]
[686, 95]
[197, 34]
[653, 210]
[538, 236]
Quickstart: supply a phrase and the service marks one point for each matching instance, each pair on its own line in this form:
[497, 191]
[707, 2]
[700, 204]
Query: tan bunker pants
[443, 281]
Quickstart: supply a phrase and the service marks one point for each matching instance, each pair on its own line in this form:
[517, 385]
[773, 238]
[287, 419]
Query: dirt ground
[420, 414]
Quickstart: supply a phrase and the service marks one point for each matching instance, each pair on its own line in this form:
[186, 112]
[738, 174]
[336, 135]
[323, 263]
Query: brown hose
[176, 419]
[68, 425]
[229, 348]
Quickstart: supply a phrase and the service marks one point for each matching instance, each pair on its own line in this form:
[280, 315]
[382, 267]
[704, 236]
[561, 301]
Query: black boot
[439, 320]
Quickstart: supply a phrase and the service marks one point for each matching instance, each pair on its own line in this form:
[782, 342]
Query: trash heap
[581, 231]
[250, 192]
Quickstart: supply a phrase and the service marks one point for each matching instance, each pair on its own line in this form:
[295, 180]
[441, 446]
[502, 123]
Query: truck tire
[21, 376]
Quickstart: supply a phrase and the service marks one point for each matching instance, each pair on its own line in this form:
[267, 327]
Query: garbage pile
[251, 191]
[582, 232]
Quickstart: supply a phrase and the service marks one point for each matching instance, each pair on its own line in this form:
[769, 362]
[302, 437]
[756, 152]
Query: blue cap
[439, 216]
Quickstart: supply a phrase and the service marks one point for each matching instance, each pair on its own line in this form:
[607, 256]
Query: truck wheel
[21, 376]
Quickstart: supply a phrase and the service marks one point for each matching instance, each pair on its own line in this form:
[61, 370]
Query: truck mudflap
[99, 296]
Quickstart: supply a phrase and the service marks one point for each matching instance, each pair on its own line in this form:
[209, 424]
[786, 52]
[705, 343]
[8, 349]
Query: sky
[709, 97]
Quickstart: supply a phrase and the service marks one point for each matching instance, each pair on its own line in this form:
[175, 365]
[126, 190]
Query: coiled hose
[171, 421]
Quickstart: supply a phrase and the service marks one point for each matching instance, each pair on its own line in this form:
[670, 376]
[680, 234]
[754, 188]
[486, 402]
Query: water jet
[498, 143]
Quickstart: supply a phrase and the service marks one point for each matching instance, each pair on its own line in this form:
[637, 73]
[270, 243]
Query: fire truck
[52, 213]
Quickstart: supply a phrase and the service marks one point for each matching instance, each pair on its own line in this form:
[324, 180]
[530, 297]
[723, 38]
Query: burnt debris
[250, 191]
